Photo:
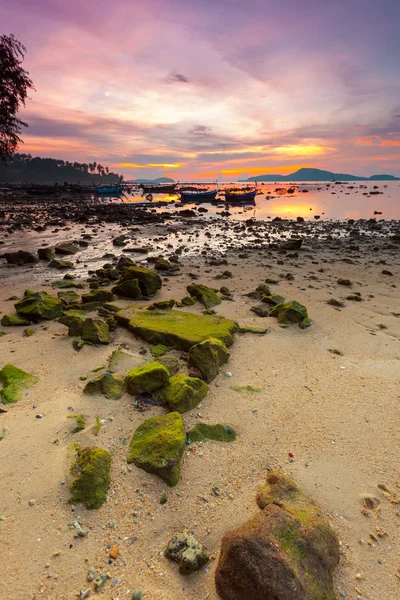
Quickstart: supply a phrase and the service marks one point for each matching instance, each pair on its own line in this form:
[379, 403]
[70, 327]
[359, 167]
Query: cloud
[177, 78]
[200, 130]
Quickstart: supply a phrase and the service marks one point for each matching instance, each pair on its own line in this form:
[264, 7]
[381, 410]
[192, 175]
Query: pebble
[32, 502]
[39, 416]
[114, 551]
[228, 374]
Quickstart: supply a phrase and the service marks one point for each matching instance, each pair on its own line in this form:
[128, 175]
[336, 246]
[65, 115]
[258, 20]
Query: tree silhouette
[14, 85]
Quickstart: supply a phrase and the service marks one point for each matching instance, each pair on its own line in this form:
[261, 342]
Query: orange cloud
[303, 150]
[151, 165]
[252, 171]
[374, 140]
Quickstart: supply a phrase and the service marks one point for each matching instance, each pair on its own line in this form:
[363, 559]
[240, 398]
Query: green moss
[95, 331]
[66, 248]
[218, 433]
[39, 305]
[91, 469]
[246, 388]
[68, 298]
[110, 385]
[256, 330]
[14, 381]
[260, 311]
[124, 315]
[291, 312]
[164, 304]
[97, 296]
[149, 280]
[188, 301]
[28, 332]
[183, 393]
[289, 536]
[181, 330]
[80, 422]
[12, 321]
[128, 289]
[208, 356]
[273, 299]
[74, 320]
[171, 363]
[159, 350]
[157, 446]
[146, 378]
[207, 296]
[68, 284]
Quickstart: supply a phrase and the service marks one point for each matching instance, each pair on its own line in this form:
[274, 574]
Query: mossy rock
[39, 305]
[219, 433]
[295, 548]
[291, 312]
[171, 363]
[162, 264]
[110, 385]
[354, 298]
[97, 296]
[159, 350]
[187, 552]
[207, 296]
[68, 284]
[124, 315]
[128, 289]
[183, 393]
[188, 301]
[13, 321]
[259, 292]
[65, 249]
[146, 378]
[181, 330]
[260, 311]
[336, 303]
[157, 446]
[45, 254]
[95, 331]
[273, 299]
[91, 469]
[208, 357]
[164, 304]
[56, 263]
[255, 330]
[74, 320]
[149, 280]
[68, 298]
[14, 381]
[80, 422]
[111, 274]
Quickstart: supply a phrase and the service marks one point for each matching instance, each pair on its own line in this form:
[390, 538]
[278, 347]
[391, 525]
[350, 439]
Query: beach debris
[208, 357]
[39, 305]
[187, 552]
[100, 580]
[146, 378]
[157, 446]
[183, 393]
[91, 468]
[219, 433]
[296, 549]
[14, 381]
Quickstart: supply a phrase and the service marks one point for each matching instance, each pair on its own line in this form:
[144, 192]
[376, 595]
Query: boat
[41, 190]
[198, 196]
[77, 188]
[105, 190]
[240, 197]
[158, 188]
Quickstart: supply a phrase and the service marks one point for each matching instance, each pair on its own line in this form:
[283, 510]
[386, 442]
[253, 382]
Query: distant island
[158, 180]
[320, 175]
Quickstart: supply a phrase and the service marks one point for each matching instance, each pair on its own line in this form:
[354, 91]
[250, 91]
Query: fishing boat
[106, 190]
[158, 188]
[77, 188]
[198, 196]
[240, 197]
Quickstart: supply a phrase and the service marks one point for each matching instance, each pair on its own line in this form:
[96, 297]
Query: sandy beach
[327, 415]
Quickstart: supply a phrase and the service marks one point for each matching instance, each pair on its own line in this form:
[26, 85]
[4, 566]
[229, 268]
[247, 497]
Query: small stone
[114, 551]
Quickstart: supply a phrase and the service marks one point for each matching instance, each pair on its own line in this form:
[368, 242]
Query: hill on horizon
[157, 180]
[307, 174]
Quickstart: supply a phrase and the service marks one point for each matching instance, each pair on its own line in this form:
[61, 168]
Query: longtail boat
[158, 188]
[198, 196]
[239, 197]
[105, 190]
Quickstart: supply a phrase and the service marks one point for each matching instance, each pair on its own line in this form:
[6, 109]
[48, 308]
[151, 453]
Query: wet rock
[13, 321]
[14, 381]
[183, 393]
[260, 311]
[273, 299]
[291, 312]
[68, 298]
[219, 433]
[19, 258]
[39, 305]
[128, 289]
[286, 552]
[180, 330]
[110, 385]
[120, 241]
[91, 469]
[146, 378]
[95, 331]
[74, 320]
[149, 280]
[55, 263]
[336, 303]
[292, 244]
[259, 292]
[188, 301]
[208, 357]
[164, 304]
[97, 296]
[345, 282]
[157, 446]
[207, 296]
[162, 264]
[386, 272]
[66, 249]
[354, 297]
[187, 552]
[45, 254]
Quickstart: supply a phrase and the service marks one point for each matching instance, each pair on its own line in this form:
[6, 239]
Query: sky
[200, 89]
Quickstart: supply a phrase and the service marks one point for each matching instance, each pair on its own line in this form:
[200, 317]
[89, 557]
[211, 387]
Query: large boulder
[208, 356]
[187, 552]
[287, 552]
[146, 378]
[91, 468]
[39, 305]
[128, 289]
[95, 331]
[291, 312]
[157, 446]
[19, 258]
[180, 330]
[183, 393]
[207, 296]
[149, 280]
[14, 381]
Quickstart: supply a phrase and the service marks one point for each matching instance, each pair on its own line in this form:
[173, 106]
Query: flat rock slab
[181, 330]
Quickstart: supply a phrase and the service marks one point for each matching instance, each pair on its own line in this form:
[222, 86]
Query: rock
[121, 360]
[159, 350]
[11, 321]
[345, 282]
[163, 304]
[260, 311]
[147, 378]
[162, 264]
[55, 263]
[188, 301]
[45, 254]
[98, 296]
[208, 357]
[66, 249]
[180, 330]
[114, 551]
[111, 274]
[291, 312]
[91, 468]
[292, 244]
[74, 320]
[149, 280]
[95, 331]
[68, 297]
[157, 446]
[171, 363]
[259, 292]
[120, 241]
[110, 385]
[124, 315]
[187, 552]
[28, 332]
[354, 297]
[334, 302]
[387, 272]
[183, 393]
[39, 305]
[14, 381]
[19, 258]
[128, 289]
[219, 433]
[273, 299]
[207, 296]
[286, 552]
[255, 330]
